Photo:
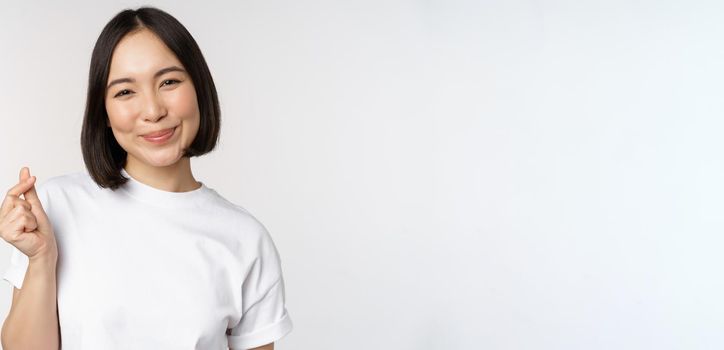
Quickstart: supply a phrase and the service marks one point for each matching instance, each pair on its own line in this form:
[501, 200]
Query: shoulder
[69, 181]
[57, 185]
[231, 210]
[240, 217]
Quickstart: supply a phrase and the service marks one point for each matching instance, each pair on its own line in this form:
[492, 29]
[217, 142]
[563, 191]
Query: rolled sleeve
[15, 273]
[265, 322]
[264, 318]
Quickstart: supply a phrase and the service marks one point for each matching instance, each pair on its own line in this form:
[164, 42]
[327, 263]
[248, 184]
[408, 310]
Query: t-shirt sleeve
[264, 315]
[15, 273]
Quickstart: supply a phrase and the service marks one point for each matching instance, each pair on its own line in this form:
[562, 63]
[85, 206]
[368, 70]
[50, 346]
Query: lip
[160, 136]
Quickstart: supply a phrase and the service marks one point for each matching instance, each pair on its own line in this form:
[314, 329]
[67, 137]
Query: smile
[161, 136]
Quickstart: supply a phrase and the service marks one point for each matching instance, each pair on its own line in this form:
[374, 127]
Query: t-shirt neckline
[155, 196]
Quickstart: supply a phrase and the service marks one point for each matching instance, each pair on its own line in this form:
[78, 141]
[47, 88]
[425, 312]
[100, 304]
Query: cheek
[184, 102]
[121, 116]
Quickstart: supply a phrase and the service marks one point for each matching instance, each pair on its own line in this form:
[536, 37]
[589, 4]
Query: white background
[440, 174]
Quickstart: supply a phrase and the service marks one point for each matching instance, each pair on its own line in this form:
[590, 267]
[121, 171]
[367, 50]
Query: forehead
[140, 53]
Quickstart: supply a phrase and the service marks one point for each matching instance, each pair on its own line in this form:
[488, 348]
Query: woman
[140, 255]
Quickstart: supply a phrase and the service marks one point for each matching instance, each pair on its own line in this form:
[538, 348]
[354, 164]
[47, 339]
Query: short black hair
[103, 156]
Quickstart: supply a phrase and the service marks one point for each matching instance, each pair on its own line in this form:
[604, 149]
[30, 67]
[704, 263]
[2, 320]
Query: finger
[14, 194]
[29, 223]
[16, 223]
[16, 230]
[18, 202]
[24, 172]
[16, 214]
[24, 222]
[32, 196]
[22, 203]
[21, 186]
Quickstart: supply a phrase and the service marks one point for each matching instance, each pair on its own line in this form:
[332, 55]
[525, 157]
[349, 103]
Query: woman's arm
[32, 322]
[33, 319]
[269, 346]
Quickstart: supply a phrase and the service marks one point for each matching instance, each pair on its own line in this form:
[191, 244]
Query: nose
[154, 108]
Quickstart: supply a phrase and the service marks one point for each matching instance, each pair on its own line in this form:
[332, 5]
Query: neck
[176, 177]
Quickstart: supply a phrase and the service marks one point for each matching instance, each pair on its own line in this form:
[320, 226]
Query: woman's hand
[23, 222]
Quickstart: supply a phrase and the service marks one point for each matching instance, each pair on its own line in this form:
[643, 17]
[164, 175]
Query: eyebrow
[158, 74]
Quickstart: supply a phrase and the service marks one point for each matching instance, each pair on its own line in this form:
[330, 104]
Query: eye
[171, 80]
[127, 92]
[121, 93]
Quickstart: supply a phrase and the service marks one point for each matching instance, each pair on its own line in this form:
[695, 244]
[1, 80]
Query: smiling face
[149, 91]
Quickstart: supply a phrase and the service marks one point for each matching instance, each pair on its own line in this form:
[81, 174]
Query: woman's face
[149, 91]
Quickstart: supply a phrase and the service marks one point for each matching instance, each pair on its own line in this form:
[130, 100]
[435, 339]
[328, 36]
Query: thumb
[32, 197]
[24, 173]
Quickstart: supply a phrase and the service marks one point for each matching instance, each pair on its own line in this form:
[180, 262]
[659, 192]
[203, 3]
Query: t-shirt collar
[159, 197]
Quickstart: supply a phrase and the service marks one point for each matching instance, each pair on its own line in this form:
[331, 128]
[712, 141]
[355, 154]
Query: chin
[161, 160]
[165, 162]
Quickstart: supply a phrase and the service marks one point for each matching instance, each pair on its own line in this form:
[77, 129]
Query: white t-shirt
[142, 268]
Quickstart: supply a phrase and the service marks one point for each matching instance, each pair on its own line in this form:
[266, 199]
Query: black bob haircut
[103, 156]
